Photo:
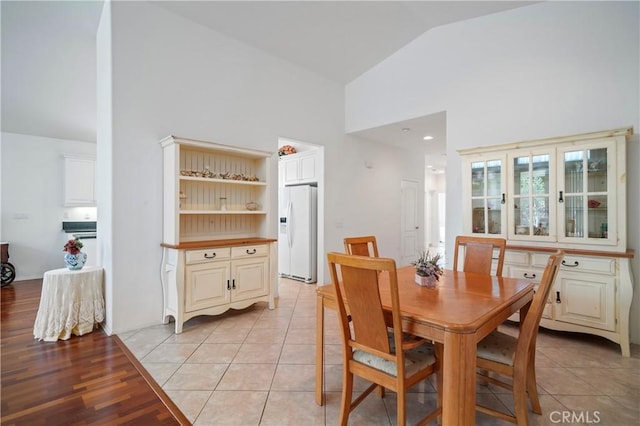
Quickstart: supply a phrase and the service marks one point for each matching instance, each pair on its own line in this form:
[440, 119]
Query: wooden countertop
[629, 253]
[218, 243]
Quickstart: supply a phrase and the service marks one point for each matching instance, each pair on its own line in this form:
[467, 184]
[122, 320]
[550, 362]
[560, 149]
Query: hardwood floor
[88, 380]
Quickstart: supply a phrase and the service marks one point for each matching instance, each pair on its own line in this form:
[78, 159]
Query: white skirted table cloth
[72, 302]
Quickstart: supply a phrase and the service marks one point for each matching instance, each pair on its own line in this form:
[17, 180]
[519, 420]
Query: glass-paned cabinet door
[486, 178]
[531, 190]
[586, 190]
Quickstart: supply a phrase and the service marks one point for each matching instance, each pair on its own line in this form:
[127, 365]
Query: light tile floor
[256, 367]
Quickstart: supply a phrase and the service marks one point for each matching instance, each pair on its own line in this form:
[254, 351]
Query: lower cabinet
[591, 293]
[213, 280]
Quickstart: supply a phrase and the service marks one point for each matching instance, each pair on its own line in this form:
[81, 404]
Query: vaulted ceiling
[48, 50]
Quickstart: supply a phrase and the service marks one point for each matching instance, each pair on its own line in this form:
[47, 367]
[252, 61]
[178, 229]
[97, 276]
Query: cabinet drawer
[207, 255]
[516, 258]
[533, 274]
[249, 251]
[595, 265]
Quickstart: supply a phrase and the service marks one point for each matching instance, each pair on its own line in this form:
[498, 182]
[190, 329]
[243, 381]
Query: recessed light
[429, 166]
[406, 129]
[428, 138]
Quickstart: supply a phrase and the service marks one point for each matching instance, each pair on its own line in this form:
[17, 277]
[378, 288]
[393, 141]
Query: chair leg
[439, 377]
[520, 401]
[402, 406]
[347, 391]
[532, 388]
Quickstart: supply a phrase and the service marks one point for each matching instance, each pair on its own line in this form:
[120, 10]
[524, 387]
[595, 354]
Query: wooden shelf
[223, 212]
[226, 181]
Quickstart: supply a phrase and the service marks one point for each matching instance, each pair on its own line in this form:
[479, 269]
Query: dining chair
[514, 357]
[478, 254]
[392, 361]
[361, 246]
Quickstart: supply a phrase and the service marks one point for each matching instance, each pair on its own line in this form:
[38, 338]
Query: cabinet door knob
[254, 251]
[575, 263]
[206, 256]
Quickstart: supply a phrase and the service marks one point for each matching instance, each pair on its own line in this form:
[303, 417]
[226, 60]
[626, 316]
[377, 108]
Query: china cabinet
[79, 181]
[562, 193]
[216, 251]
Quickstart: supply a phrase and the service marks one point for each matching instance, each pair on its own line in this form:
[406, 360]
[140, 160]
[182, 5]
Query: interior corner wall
[544, 70]
[172, 76]
[104, 160]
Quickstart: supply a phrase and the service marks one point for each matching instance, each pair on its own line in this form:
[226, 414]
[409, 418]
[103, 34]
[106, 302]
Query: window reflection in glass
[477, 179]
[486, 197]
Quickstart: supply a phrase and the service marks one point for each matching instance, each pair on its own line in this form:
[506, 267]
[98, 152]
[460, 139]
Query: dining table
[457, 313]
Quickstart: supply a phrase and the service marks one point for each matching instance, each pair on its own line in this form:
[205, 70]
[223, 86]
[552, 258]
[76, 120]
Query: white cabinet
[562, 193]
[79, 181]
[216, 252]
[584, 292]
[299, 168]
[568, 191]
[591, 294]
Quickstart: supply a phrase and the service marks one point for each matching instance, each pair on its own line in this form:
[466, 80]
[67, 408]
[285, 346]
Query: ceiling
[48, 51]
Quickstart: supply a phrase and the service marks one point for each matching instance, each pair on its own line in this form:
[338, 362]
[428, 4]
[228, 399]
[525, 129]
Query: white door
[409, 220]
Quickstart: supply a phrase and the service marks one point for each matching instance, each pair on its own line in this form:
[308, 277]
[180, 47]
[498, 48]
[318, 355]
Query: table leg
[319, 350]
[459, 381]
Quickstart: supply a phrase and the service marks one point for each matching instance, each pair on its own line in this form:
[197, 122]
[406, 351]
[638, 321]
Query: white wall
[33, 200]
[549, 69]
[171, 76]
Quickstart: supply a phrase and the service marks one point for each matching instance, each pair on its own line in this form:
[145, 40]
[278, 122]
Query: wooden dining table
[461, 310]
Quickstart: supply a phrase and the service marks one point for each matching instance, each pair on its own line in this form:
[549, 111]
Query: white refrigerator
[297, 233]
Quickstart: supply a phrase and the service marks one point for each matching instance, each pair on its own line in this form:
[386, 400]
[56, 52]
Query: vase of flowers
[427, 269]
[74, 259]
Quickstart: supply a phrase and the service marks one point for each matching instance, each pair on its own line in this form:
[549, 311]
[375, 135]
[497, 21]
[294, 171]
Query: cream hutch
[570, 193]
[216, 253]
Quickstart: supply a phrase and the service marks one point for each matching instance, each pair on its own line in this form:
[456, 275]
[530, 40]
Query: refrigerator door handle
[289, 223]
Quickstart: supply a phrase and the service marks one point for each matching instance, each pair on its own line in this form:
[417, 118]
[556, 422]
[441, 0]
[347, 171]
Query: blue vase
[75, 262]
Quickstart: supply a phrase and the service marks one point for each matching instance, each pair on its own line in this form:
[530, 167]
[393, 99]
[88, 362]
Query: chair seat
[415, 359]
[498, 347]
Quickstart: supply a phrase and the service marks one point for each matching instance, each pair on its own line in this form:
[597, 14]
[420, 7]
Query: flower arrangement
[286, 150]
[427, 265]
[73, 246]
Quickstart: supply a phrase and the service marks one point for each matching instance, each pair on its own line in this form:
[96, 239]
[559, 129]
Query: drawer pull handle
[575, 263]
[561, 199]
[228, 286]
[558, 297]
[233, 284]
[206, 256]
[252, 252]
[526, 275]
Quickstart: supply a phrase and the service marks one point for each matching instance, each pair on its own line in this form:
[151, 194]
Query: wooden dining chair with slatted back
[514, 357]
[396, 363]
[478, 254]
[361, 246]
